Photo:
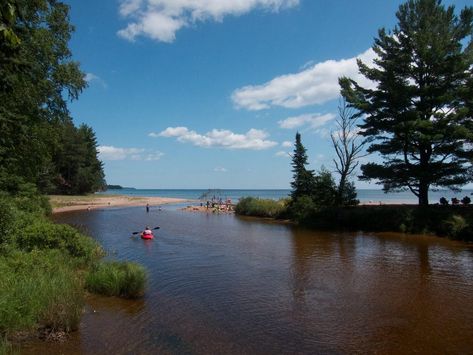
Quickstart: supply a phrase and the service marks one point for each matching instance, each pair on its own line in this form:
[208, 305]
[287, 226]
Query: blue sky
[210, 93]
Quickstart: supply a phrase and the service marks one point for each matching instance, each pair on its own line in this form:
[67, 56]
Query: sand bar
[77, 203]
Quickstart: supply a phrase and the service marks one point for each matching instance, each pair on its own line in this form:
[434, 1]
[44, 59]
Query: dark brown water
[219, 284]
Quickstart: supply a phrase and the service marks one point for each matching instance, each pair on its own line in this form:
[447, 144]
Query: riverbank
[63, 203]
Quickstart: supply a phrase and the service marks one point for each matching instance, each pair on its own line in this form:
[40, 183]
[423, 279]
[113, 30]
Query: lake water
[220, 284]
[364, 195]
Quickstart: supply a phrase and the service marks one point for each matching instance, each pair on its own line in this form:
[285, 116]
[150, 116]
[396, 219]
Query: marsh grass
[44, 291]
[251, 206]
[113, 278]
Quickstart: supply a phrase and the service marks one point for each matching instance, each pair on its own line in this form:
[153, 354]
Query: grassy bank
[251, 206]
[455, 222]
[44, 268]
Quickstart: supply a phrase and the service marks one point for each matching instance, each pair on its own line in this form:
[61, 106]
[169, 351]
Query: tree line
[39, 142]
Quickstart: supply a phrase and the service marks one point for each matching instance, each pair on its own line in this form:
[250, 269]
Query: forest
[39, 143]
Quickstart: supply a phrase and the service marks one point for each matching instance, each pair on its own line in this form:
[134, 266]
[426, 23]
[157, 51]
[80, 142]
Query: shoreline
[63, 203]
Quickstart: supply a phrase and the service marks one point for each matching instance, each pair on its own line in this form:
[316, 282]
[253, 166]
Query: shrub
[251, 206]
[302, 209]
[8, 216]
[443, 201]
[466, 200]
[43, 234]
[455, 226]
[112, 278]
[43, 290]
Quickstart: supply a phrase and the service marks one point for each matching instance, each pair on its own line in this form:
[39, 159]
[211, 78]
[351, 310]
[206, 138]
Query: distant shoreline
[63, 203]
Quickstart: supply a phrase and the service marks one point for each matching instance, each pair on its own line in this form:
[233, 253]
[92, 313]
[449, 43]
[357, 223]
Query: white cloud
[91, 77]
[314, 85]
[254, 139]
[312, 120]
[282, 154]
[107, 152]
[161, 19]
[220, 169]
[286, 144]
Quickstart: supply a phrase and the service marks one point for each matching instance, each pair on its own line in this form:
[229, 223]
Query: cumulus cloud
[108, 152]
[314, 85]
[286, 144]
[311, 120]
[282, 154]
[254, 139]
[161, 19]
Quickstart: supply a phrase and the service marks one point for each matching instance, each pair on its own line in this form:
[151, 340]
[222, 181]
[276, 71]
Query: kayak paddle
[142, 231]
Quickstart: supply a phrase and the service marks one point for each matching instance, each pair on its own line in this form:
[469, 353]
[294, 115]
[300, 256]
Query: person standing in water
[147, 208]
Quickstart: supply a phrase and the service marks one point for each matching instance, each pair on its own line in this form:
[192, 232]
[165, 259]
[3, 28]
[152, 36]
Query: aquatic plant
[44, 291]
[251, 206]
[113, 278]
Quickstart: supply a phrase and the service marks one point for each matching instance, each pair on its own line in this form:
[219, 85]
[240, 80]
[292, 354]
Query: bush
[42, 234]
[455, 226]
[466, 200]
[251, 206]
[112, 278]
[43, 291]
[301, 209]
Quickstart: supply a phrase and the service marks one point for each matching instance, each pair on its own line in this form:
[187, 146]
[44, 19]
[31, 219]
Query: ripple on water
[223, 284]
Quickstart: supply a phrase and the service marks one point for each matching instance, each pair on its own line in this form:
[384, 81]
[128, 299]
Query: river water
[221, 284]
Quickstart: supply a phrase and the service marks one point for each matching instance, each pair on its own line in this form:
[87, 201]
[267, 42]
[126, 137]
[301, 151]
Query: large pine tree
[419, 115]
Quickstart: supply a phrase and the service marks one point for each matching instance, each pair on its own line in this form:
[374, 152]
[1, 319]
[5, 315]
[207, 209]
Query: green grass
[44, 290]
[43, 267]
[112, 278]
[251, 206]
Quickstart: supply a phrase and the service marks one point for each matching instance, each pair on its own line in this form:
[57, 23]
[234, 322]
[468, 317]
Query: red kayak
[147, 236]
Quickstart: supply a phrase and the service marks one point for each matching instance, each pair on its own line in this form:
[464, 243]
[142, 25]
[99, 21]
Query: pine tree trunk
[423, 194]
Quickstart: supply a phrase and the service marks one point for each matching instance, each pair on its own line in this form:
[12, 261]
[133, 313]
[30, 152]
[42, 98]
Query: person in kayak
[147, 231]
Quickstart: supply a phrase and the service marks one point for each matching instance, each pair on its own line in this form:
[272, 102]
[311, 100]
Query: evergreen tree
[303, 182]
[419, 115]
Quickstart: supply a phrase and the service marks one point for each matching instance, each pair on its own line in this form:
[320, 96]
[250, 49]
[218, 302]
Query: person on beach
[147, 208]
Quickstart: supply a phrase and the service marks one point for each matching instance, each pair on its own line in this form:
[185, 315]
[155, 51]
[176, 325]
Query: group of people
[219, 204]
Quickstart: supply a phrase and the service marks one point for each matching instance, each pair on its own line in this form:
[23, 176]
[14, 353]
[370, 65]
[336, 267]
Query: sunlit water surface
[221, 284]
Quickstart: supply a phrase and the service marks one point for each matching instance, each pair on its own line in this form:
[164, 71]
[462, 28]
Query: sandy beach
[199, 208]
[77, 203]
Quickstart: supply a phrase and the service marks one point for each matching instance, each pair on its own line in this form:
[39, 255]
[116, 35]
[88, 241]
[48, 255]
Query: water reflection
[223, 284]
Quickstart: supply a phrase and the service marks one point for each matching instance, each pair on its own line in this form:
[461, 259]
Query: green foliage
[43, 290]
[419, 115]
[303, 179]
[251, 206]
[39, 142]
[112, 278]
[347, 195]
[324, 190]
[302, 208]
[41, 266]
[42, 234]
[450, 221]
[456, 226]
